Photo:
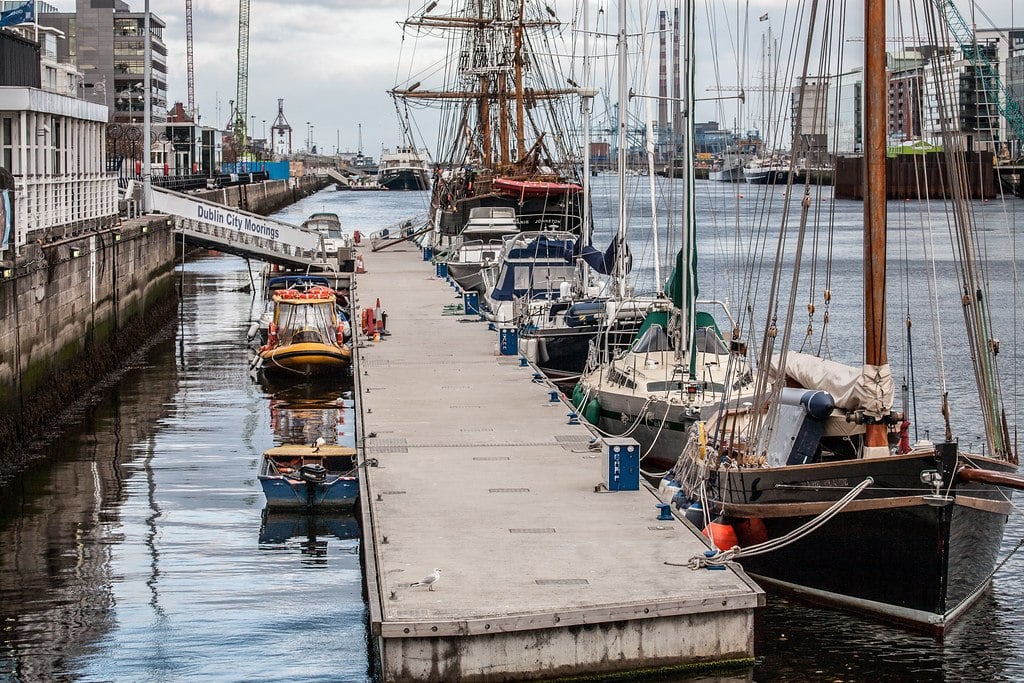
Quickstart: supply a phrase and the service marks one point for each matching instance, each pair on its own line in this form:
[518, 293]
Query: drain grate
[491, 458]
[572, 438]
[477, 429]
[508, 490]
[562, 582]
[379, 445]
[463, 407]
[392, 493]
[547, 530]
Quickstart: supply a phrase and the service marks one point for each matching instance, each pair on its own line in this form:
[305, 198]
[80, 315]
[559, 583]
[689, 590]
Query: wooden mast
[875, 123]
[518, 59]
[484, 103]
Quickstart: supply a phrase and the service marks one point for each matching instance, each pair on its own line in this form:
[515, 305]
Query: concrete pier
[480, 474]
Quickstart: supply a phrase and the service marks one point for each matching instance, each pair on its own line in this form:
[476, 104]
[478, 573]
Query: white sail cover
[868, 388]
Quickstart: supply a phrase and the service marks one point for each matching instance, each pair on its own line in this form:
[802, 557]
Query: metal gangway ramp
[249, 235]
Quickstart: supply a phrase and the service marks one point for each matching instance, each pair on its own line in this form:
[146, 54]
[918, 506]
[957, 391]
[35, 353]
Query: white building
[53, 148]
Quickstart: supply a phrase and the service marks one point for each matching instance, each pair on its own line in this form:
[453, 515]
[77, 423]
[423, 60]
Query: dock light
[8, 272]
[75, 252]
[145, 229]
[117, 237]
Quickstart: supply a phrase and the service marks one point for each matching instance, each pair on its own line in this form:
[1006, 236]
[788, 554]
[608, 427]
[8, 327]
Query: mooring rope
[718, 558]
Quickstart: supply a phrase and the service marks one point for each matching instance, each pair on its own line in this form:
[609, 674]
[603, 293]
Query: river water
[136, 548]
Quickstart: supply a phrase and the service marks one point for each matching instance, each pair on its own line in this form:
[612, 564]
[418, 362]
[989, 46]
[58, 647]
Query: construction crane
[238, 127]
[190, 61]
[1003, 100]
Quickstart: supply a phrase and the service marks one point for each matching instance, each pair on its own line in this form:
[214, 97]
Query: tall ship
[505, 108]
[404, 169]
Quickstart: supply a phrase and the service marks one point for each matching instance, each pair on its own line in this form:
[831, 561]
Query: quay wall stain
[70, 311]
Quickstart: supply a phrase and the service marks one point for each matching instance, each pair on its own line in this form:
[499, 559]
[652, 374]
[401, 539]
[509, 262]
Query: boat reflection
[310, 534]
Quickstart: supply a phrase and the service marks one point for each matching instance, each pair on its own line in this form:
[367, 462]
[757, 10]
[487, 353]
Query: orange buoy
[750, 531]
[722, 535]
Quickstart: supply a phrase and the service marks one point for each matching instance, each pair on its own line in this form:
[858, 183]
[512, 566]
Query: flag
[763, 17]
[23, 14]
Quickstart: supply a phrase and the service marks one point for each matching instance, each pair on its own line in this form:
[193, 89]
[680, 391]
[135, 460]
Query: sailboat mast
[623, 115]
[484, 103]
[689, 190]
[875, 122]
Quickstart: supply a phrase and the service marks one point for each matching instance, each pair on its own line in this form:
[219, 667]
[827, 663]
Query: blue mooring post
[523, 362]
[664, 511]
[553, 396]
[441, 270]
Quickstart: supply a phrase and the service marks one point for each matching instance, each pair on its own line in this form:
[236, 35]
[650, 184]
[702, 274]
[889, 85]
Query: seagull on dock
[321, 441]
[428, 580]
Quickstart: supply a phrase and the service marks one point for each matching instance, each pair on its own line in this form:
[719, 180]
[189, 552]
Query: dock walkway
[482, 476]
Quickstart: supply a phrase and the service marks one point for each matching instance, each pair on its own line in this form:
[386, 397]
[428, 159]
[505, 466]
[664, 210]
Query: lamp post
[309, 136]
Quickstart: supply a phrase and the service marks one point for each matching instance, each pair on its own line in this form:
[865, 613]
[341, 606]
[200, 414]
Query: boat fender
[721, 533]
[592, 412]
[695, 515]
[253, 329]
[750, 531]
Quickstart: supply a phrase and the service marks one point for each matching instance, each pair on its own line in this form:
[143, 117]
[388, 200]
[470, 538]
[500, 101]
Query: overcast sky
[332, 61]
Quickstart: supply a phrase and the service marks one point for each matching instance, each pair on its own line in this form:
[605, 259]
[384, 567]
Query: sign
[22, 14]
[245, 223]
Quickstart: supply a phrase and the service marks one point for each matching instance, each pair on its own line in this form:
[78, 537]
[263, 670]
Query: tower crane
[190, 60]
[242, 89]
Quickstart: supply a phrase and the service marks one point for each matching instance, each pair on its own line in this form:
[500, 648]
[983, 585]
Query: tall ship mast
[504, 104]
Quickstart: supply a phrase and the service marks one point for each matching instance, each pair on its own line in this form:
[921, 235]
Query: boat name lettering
[236, 221]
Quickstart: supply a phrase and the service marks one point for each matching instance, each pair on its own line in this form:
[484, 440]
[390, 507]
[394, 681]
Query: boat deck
[482, 475]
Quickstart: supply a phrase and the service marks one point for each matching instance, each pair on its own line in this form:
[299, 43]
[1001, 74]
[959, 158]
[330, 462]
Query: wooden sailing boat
[502, 140]
[825, 498]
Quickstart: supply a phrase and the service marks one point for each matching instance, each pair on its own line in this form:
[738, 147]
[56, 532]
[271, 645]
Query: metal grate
[547, 530]
[508, 490]
[392, 493]
[572, 438]
[491, 458]
[379, 445]
[477, 429]
[462, 407]
[562, 582]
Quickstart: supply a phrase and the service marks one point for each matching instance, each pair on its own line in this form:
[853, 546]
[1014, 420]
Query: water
[136, 548]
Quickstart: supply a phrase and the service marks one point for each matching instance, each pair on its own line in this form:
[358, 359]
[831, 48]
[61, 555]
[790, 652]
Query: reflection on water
[138, 548]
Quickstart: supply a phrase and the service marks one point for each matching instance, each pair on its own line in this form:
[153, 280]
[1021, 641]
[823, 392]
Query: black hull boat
[405, 179]
[902, 550]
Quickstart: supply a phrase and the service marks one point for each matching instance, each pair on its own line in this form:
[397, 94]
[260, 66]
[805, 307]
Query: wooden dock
[481, 475]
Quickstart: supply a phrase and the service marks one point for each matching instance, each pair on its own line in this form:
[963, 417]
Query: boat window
[295, 319]
[654, 339]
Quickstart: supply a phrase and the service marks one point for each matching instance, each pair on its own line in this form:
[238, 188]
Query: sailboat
[677, 367]
[502, 140]
[813, 484]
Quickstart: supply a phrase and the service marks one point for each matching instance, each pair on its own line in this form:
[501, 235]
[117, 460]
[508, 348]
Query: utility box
[441, 269]
[620, 463]
[508, 341]
[471, 302]
[428, 254]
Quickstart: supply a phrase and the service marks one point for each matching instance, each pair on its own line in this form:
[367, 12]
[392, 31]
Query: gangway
[249, 235]
[339, 178]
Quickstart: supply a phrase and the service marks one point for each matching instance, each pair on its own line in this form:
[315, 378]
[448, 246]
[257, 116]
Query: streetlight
[312, 145]
[309, 136]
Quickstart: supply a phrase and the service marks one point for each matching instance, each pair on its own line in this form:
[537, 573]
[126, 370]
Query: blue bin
[508, 341]
[428, 253]
[441, 269]
[471, 302]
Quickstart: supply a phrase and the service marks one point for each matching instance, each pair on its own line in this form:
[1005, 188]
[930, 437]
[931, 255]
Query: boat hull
[895, 552]
[766, 176]
[405, 179]
[285, 493]
[307, 359]
[662, 428]
[468, 276]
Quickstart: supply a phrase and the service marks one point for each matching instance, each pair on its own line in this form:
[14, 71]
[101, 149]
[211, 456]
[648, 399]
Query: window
[7, 143]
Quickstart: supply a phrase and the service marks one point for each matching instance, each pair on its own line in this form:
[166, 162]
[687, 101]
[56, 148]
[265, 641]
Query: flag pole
[147, 122]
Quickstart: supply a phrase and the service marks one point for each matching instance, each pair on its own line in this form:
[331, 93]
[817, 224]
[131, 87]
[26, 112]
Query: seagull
[318, 443]
[428, 580]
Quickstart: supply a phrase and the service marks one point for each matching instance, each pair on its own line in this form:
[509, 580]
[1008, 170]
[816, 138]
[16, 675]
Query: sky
[332, 61]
